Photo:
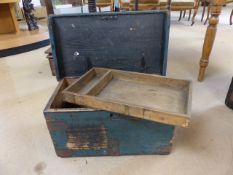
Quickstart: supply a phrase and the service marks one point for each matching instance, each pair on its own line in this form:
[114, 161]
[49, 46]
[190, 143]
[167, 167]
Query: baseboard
[24, 48]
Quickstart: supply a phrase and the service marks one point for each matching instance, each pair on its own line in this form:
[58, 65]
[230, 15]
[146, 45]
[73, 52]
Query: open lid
[133, 41]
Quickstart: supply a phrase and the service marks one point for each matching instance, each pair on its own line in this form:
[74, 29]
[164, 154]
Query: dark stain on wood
[87, 138]
[165, 149]
[113, 149]
[55, 125]
[64, 152]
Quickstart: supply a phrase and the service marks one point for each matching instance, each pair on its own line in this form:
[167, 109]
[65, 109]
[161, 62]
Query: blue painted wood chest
[135, 41]
[78, 131]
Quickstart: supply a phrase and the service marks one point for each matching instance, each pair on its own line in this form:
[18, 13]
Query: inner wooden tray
[145, 96]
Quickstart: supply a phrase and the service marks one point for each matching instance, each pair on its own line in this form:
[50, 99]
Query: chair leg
[231, 17]
[184, 13]
[194, 15]
[203, 12]
[209, 39]
[195, 12]
[208, 14]
[180, 15]
[190, 12]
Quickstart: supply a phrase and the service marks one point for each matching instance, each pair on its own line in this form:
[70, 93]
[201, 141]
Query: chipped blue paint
[125, 135]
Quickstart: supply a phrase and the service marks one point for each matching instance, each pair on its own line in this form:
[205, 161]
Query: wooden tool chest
[130, 41]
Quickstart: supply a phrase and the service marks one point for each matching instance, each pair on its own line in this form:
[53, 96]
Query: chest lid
[133, 41]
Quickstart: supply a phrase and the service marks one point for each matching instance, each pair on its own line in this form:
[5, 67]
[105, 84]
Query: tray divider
[78, 84]
[103, 81]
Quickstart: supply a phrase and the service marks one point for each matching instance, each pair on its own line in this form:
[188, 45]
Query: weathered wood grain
[145, 96]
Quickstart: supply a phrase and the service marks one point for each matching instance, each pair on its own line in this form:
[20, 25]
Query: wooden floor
[24, 37]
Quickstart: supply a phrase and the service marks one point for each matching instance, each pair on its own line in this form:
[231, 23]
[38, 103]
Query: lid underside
[134, 41]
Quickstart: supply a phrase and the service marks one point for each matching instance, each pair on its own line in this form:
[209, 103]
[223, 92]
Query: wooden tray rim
[177, 118]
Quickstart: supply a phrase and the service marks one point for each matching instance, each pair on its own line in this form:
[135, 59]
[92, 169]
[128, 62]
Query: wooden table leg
[8, 20]
[216, 8]
[13, 16]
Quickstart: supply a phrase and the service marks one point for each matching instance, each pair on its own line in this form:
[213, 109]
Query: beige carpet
[206, 147]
